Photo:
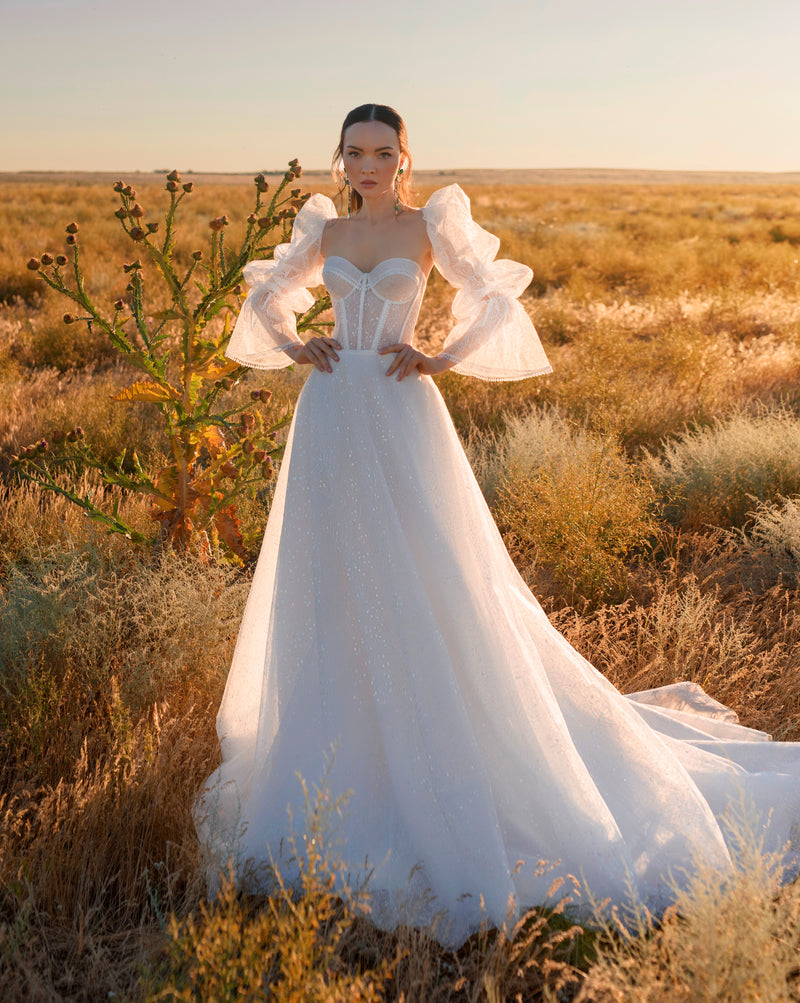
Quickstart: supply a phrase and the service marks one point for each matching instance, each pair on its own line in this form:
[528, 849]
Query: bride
[387, 621]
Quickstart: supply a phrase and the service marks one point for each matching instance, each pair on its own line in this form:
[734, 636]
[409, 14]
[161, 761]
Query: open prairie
[648, 491]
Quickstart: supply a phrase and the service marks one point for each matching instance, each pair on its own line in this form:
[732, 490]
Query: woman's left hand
[407, 359]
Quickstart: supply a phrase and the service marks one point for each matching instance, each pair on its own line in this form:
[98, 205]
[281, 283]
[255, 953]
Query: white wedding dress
[387, 620]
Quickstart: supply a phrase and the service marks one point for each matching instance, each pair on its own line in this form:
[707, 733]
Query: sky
[231, 85]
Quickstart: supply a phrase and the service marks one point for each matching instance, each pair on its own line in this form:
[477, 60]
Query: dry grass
[669, 315]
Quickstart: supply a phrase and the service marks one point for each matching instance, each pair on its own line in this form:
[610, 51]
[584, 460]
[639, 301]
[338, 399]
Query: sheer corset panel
[377, 308]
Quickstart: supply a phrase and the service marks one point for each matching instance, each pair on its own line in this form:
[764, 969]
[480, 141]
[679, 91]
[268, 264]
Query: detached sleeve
[267, 324]
[493, 338]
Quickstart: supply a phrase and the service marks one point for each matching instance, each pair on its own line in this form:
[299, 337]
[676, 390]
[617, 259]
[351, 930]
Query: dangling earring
[349, 197]
[396, 192]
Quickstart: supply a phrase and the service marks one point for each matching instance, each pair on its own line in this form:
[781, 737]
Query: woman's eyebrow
[358, 149]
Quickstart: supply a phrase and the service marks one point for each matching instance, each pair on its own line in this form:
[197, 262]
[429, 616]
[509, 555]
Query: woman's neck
[378, 210]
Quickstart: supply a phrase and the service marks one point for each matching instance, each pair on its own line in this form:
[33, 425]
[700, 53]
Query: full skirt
[390, 646]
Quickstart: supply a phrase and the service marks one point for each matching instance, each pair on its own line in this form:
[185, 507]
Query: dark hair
[374, 113]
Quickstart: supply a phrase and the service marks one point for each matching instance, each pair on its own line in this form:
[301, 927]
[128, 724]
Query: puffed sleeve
[493, 338]
[267, 325]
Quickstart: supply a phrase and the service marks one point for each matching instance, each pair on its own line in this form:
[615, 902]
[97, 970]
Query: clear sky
[230, 85]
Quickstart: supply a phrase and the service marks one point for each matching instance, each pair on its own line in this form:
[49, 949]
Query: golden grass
[669, 313]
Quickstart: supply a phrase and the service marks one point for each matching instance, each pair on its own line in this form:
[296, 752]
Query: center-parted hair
[374, 113]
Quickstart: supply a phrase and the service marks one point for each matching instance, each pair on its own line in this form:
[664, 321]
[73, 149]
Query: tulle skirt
[390, 645]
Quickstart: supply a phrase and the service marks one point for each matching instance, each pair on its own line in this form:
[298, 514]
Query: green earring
[397, 193]
[349, 199]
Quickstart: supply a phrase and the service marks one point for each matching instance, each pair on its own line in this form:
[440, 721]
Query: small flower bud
[216, 224]
[119, 186]
[247, 420]
[72, 239]
[152, 227]
[260, 455]
[171, 186]
[218, 384]
[227, 383]
[119, 305]
[137, 233]
[173, 176]
[129, 288]
[265, 222]
[273, 436]
[298, 203]
[42, 445]
[72, 435]
[68, 318]
[267, 469]
[298, 171]
[264, 395]
[137, 211]
[289, 176]
[72, 228]
[79, 431]
[29, 452]
[133, 266]
[252, 218]
[121, 213]
[248, 446]
[47, 259]
[261, 183]
[224, 220]
[61, 259]
[188, 186]
[33, 264]
[197, 255]
[130, 192]
[295, 193]
[254, 395]
[229, 469]
[294, 163]
[237, 290]
[58, 436]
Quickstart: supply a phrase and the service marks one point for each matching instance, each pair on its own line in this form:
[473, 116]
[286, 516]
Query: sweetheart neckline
[369, 271]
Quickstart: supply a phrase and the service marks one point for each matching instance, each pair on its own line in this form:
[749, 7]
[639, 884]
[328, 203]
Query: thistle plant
[216, 451]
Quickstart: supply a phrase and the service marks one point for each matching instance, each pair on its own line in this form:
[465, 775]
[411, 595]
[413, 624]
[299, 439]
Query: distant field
[472, 176]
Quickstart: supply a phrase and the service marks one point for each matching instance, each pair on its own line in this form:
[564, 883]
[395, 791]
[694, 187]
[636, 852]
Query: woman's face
[371, 155]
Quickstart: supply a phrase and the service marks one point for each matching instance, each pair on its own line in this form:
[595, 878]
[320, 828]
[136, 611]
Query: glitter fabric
[387, 620]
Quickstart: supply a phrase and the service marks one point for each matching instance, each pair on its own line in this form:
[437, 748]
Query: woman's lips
[368, 184]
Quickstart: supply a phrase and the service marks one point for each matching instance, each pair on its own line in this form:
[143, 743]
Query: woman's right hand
[316, 352]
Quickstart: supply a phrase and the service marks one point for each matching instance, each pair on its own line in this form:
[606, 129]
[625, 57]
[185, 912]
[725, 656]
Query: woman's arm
[407, 359]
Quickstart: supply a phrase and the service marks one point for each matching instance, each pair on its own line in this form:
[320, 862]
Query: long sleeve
[267, 324]
[493, 337]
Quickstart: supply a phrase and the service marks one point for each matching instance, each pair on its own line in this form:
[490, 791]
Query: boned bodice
[377, 308]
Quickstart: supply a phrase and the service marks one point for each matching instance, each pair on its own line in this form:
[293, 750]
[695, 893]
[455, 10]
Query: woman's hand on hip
[317, 352]
[408, 359]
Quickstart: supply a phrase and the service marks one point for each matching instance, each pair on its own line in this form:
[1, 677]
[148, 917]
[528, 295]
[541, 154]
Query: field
[649, 492]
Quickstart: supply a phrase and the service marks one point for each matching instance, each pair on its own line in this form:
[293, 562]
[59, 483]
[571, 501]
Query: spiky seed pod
[216, 224]
[29, 452]
[218, 384]
[227, 383]
[273, 436]
[47, 259]
[237, 290]
[298, 171]
[33, 264]
[79, 431]
[225, 220]
[295, 193]
[289, 176]
[72, 227]
[254, 395]
[248, 446]
[119, 186]
[152, 227]
[260, 455]
[197, 255]
[61, 259]
[247, 420]
[42, 446]
[229, 469]
[137, 211]
[298, 203]
[188, 186]
[261, 183]
[130, 192]
[129, 288]
[265, 222]
[58, 436]
[267, 469]
[72, 435]
[173, 176]
[171, 186]
[119, 305]
[264, 395]
[252, 218]
[72, 239]
[137, 233]
[68, 318]
[294, 163]
[121, 213]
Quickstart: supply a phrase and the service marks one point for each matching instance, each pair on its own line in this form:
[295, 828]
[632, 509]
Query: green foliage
[216, 452]
[713, 475]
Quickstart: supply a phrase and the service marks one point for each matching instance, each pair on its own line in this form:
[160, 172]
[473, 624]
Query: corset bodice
[376, 308]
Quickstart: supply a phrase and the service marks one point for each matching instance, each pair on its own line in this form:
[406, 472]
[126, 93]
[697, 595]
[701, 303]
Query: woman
[387, 621]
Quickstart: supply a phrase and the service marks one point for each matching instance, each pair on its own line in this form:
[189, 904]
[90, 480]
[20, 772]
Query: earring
[349, 202]
[397, 193]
